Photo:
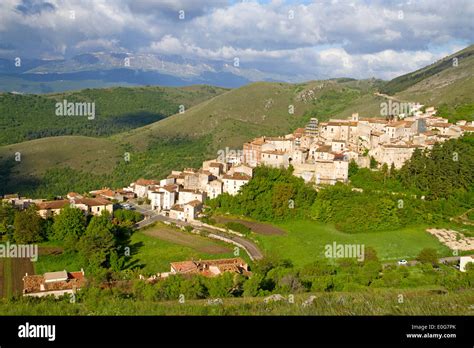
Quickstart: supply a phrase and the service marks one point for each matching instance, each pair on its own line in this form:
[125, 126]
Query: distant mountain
[104, 69]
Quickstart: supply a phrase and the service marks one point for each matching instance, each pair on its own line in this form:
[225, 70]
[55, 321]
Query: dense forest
[27, 117]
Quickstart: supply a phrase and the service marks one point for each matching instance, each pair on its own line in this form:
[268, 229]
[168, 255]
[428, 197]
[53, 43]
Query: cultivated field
[257, 227]
[2, 280]
[11, 275]
[154, 254]
[198, 243]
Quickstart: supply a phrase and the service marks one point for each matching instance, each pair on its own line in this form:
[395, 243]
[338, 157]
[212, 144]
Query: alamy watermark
[396, 108]
[344, 251]
[37, 331]
[29, 251]
[66, 108]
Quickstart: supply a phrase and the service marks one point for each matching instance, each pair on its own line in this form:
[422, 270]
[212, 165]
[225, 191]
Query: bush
[238, 227]
[428, 256]
[124, 216]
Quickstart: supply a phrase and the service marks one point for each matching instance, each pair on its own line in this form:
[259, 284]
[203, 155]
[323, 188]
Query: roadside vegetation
[342, 287]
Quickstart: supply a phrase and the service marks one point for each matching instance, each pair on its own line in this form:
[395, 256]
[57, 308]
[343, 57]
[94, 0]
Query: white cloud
[312, 39]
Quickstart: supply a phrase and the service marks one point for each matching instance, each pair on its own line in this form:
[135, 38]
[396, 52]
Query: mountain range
[105, 69]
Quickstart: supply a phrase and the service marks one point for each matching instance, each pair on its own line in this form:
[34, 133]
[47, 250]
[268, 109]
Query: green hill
[27, 117]
[180, 140]
[441, 84]
[435, 72]
[218, 119]
[262, 108]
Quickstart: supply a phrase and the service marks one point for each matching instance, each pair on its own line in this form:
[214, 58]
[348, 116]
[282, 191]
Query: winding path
[151, 216]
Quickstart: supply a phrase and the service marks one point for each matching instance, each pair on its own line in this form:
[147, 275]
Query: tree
[281, 199]
[353, 168]
[69, 225]
[221, 286]
[428, 255]
[98, 240]
[252, 286]
[370, 254]
[393, 170]
[117, 262]
[373, 163]
[7, 217]
[28, 226]
[384, 171]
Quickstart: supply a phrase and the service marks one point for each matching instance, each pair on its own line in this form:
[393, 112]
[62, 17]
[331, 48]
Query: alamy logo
[228, 155]
[29, 251]
[37, 331]
[231, 155]
[393, 108]
[75, 109]
[335, 250]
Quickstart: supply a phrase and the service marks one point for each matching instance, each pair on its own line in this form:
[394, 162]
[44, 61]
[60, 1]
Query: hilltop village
[319, 153]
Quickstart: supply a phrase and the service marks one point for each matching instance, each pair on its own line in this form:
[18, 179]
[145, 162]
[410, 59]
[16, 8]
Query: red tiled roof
[236, 265]
[145, 182]
[324, 148]
[375, 120]
[194, 203]
[299, 132]
[177, 207]
[441, 125]
[237, 176]
[92, 202]
[57, 204]
[170, 188]
[33, 283]
[274, 152]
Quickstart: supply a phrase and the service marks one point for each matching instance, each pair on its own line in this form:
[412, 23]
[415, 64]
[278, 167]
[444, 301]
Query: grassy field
[96, 155]
[155, 254]
[253, 110]
[375, 302]
[196, 242]
[151, 249]
[305, 241]
[53, 263]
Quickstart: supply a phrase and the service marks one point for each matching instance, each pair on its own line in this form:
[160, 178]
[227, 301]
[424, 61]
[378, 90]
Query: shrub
[428, 255]
[238, 227]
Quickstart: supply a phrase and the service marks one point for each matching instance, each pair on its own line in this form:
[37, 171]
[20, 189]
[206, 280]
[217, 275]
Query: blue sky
[308, 39]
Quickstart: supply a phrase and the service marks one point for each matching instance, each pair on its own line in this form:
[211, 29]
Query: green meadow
[155, 254]
[305, 240]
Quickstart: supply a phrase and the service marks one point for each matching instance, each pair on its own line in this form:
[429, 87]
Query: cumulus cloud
[311, 39]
